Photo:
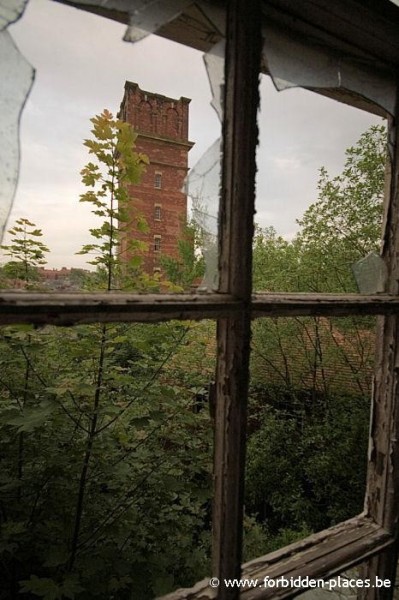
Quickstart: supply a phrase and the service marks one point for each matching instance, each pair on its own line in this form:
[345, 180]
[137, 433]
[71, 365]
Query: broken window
[320, 192]
[331, 63]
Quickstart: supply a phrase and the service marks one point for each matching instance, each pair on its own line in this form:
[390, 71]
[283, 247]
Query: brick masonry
[162, 127]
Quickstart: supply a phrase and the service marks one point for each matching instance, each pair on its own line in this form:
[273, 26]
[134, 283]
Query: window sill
[320, 555]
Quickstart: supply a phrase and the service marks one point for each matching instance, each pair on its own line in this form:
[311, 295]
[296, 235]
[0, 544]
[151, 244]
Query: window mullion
[235, 266]
[382, 495]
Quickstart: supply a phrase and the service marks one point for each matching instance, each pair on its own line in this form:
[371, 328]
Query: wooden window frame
[157, 243]
[371, 536]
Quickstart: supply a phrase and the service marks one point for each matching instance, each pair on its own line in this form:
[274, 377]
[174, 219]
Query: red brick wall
[162, 125]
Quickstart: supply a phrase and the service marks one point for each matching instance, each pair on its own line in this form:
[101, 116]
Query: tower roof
[155, 115]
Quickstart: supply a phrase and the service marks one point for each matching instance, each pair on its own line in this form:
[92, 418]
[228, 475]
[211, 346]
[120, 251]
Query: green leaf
[44, 587]
[32, 417]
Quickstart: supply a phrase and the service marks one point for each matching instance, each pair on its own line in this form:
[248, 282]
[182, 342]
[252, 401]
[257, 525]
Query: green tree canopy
[344, 224]
[311, 376]
[26, 250]
[116, 165]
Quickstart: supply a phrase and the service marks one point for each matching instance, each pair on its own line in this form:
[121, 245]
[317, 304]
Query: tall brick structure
[162, 127]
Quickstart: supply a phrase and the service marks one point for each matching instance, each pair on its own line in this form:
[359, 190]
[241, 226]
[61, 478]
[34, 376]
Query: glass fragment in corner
[371, 274]
[150, 229]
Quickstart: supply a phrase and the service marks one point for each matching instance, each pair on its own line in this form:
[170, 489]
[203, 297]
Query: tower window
[158, 180]
[157, 243]
[157, 212]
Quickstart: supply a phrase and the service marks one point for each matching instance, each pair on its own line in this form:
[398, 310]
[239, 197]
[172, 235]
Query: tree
[317, 475]
[276, 262]
[344, 224]
[105, 445]
[189, 267]
[26, 250]
[341, 227]
[105, 479]
[117, 165]
[311, 376]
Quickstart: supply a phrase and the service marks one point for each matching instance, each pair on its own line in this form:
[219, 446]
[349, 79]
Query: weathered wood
[76, 308]
[382, 496]
[338, 305]
[351, 27]
[321, 555]
[344, 26]
[364, 30]
[241, 98]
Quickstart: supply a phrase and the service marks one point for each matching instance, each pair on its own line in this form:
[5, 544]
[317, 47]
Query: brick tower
[162, 127]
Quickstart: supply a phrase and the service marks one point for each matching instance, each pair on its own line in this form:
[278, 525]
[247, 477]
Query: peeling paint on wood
[76, 308]
[243, 51]
[321, 555]
[382, 496]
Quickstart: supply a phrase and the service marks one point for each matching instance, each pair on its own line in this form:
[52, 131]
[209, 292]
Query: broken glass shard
[10, 11]
[16, 76]
[203, 187]
[214, 62]
[295, 62]
[370, 273]
[148, 16]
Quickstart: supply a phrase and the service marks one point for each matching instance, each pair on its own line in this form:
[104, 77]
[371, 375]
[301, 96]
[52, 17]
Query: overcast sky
[81, 66]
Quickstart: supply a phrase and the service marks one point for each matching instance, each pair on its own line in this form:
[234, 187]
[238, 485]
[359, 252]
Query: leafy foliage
[276, 262]
[139, 497]
[105, 465]
[310, 483]
[26, 250]
[344, 225]
[189, 268]
[341, 227]
[105, 445]
[116, 166]
[311, 377]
